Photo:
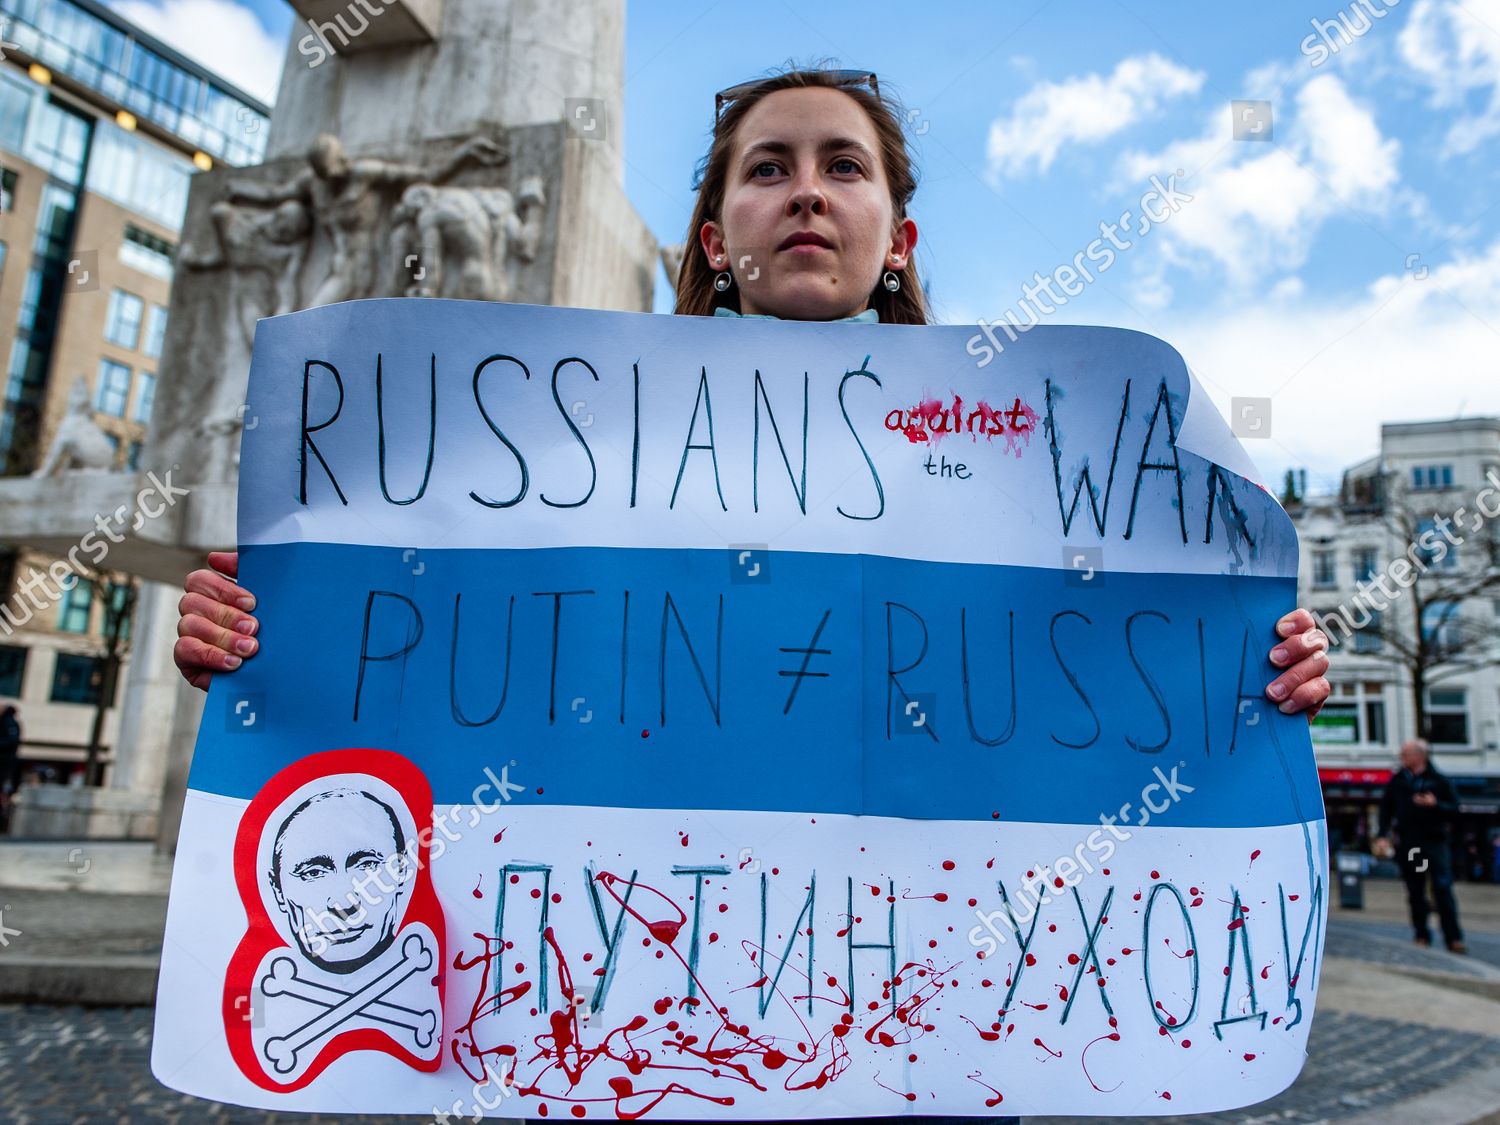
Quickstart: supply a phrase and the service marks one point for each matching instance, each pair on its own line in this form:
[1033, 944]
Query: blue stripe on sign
[820, 683]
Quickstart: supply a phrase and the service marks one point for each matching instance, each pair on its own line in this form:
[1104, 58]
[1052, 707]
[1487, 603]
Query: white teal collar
[869, 316]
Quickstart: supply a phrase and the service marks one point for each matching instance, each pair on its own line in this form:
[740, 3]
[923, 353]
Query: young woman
[801, 215]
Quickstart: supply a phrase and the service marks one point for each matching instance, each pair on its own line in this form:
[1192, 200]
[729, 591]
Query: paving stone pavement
[70, 924]
[1355, 1065]
[1392, 946]
[66, 1066]
[63, 1066]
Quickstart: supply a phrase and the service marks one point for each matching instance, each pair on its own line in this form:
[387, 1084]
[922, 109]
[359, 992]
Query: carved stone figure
[462, 237]
[345, 197]
[264, 251]
[79, 442]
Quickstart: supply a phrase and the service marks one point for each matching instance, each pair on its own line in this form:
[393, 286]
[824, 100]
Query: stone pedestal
[494, 64]
[68, 812]
[454, 148]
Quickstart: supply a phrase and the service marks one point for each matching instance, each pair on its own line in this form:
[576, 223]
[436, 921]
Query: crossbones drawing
[336, 865]
[339, 1006]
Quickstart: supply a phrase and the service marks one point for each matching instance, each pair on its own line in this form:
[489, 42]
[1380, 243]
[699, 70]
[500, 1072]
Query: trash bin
[1351, 869]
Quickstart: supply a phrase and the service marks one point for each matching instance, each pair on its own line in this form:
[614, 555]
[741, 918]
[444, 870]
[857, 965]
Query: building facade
[101, 128]
[1402, 567]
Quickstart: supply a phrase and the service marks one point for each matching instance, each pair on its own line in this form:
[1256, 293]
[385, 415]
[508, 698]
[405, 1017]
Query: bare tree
[1441, 624]
[119, 592]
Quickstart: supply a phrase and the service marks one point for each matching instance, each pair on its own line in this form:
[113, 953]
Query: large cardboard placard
[730, 719]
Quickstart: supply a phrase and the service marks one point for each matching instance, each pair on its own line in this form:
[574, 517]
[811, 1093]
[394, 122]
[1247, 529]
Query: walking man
[1419, 803]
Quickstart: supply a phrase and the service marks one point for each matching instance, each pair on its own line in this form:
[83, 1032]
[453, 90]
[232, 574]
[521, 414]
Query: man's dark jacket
[1416, 824]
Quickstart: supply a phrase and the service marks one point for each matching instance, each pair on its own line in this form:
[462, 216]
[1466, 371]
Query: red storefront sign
[1333, 776]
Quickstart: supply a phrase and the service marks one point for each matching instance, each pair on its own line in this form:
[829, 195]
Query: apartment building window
[1426, 477]
[119, 597]
[1337, 724]
[1442, 624]
[123, 321]
[1355, 717]
[12, 670]
[77, 679]
[1434, 548]
[114, 388]
[7, 191]
[156, 331]
[1366, 563]
[145, 398]
[1368, 639]
[138, 173]
[73, 610]
[1325, 568]
[1447, 716]
[143, 251]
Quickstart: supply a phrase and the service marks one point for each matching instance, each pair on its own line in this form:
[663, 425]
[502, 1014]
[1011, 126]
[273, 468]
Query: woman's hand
[215, 632]
[1303, 653]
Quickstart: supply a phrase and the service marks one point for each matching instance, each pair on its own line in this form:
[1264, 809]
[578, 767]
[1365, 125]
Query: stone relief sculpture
[461, 237]
[346, 197]
[79, 442]
[264, 251]
[317, 238]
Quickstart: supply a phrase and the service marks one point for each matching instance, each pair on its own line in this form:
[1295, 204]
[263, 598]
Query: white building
[1418, 524]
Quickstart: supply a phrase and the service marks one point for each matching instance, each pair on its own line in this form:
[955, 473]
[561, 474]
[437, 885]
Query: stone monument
[455, 148]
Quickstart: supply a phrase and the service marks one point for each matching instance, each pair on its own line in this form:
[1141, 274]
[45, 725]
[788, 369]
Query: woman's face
[807, 229]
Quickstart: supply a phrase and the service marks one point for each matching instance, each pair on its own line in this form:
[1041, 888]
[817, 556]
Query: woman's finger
[235, 644]
[198, 660]
[1309, 697]
[214, 585]
[1298, 621]
[225, 562]
[1299, 647]
[1290, 691]
[225, 616]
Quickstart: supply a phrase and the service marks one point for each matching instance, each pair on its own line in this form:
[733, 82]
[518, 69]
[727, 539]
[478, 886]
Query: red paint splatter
[989, 1103]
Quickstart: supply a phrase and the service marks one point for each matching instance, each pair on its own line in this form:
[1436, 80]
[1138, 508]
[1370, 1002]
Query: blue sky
[1349, 269]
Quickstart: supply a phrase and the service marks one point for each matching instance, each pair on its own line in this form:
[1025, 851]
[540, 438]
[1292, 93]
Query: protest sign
[701, 718]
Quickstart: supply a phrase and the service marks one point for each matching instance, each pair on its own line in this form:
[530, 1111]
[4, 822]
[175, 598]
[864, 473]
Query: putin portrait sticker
[343, 949]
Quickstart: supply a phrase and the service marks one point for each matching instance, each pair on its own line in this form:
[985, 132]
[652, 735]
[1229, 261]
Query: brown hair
[696, 295]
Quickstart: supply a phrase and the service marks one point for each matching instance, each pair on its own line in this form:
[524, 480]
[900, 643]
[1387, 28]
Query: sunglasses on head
[840, 77]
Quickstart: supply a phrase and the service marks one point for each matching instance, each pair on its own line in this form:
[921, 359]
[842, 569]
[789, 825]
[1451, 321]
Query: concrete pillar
[149, 693]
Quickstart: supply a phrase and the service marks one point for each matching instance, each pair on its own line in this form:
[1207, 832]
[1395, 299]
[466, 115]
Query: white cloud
[1256, 207]
[1405, 350]
[221, 35]
[1455, 50]
[1083, 110]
